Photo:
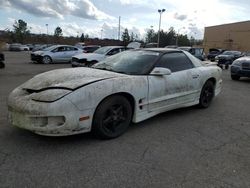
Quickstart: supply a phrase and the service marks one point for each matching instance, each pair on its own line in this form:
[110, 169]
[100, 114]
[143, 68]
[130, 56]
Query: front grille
[74, 59]
[33, 56]
[83, 60]
[246, 66]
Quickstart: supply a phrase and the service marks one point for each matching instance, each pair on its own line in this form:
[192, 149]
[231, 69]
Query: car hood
[71, 78]
[225, 56]
[39, 52]
[244, 59]
[90, 56]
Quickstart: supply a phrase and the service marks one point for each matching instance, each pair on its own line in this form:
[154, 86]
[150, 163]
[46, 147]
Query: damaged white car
[128, 87]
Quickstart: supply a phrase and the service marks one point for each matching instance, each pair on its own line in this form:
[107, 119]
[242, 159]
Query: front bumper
[59, 118]
[37, 58]
[225, 61]
[77, 64]
[238, 71]
[2, 57]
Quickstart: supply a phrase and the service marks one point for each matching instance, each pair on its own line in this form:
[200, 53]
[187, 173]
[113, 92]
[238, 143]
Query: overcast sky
[96, 17]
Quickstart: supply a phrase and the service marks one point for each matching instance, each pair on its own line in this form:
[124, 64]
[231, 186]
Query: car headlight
[49, 95]
[236, 63]
[41, 53]
[216, 58]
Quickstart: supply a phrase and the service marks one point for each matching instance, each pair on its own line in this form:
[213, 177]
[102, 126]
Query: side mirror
[160, 71]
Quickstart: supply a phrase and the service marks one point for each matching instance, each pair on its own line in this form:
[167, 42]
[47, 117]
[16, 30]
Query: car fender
[90, 96]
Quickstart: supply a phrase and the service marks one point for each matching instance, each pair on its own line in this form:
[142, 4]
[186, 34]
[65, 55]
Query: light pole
[119, 27]
[47, 25]
[160, 12]
[101, 33]
[176, 41]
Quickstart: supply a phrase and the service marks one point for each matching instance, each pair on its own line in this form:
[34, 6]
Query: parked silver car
[56, 53]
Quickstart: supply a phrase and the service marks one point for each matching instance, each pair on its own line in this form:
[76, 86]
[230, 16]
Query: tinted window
[114, 51]
[59, 49]
[68, 48]
[176, 61]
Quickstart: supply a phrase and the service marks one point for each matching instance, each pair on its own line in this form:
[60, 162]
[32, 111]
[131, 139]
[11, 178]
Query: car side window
[176, 61]
[61, 49]
[192, 51]
[198, 51]
[114, 51]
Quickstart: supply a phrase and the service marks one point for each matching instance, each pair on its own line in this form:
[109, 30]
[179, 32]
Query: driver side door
[59, 54]
[178, 88]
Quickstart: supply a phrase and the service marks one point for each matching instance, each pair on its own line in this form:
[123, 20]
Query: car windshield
[102, 50]
[130, 62]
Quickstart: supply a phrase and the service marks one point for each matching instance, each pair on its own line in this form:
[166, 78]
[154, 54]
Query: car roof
[114, 46]
[91, 46]
[61, 45]
[162, 50]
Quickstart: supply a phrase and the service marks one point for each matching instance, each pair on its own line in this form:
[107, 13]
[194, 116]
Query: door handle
[195, 76]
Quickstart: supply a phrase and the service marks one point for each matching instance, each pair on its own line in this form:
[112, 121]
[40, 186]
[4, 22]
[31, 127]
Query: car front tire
[47, 59]
[207, 94]
[235, 77]
[2, 65]
[112, 117]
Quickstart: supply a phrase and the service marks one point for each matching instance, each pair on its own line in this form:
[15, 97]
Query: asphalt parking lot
[188, 147]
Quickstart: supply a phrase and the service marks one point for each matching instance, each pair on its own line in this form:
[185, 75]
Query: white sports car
[130, 86]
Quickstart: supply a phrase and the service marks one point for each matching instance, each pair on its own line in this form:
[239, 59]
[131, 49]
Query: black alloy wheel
[207, 94]
[112, 117]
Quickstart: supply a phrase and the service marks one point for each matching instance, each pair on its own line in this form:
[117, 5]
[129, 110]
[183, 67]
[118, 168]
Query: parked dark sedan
[240, 68]
[227, 58]
[213, 52]
[2, 65]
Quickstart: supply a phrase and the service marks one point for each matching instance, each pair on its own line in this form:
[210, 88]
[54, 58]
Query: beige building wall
[234, 36]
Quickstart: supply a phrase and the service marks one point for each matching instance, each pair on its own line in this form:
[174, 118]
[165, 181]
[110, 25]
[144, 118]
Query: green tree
[86, 36]
[125, 37]
[183, 40]
[58, 32]
[150, 36]
[20, 31]
[132, 37]
[82, 38]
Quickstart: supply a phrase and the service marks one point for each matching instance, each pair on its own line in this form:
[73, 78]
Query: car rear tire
[235, 77]
[2, 65]
[47, 59]
[207, 94]
[112, 117]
